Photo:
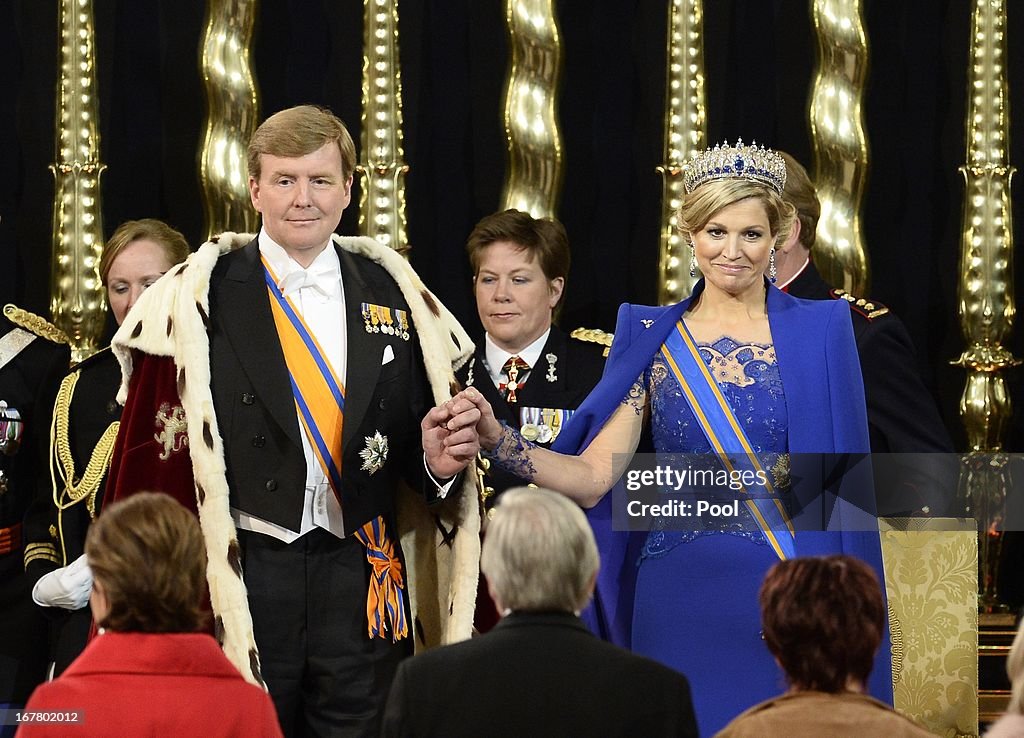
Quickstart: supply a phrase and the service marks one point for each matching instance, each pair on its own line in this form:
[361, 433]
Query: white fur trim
[442, 578]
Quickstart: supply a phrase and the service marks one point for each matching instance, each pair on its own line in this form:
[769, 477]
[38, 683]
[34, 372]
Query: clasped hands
[454, 432]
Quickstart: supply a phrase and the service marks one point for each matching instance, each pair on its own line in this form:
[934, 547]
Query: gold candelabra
[232, 111]
[840, 145]
[77, 305]
[534, 177]
[382, 195]
[986, 297]
[685, 135]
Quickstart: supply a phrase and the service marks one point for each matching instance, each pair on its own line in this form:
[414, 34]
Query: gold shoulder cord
[62, 463]
[35, 324]
[594, 335]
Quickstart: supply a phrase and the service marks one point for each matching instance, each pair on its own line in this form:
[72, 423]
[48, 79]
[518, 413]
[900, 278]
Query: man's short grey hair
[539, 552]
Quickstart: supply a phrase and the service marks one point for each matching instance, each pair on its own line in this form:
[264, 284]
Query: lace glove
[68, 587]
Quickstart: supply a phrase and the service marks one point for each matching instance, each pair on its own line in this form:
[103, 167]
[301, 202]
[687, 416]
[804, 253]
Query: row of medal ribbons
[542, 424]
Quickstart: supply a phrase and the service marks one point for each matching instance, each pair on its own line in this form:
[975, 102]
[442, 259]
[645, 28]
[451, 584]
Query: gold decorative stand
[534, 178]
[233, 110]
[78, 304]
[382, 195]
[987, 309]
[685, 135]
[840, 144]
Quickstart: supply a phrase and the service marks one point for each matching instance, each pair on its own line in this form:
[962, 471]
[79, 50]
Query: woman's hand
[488, 427]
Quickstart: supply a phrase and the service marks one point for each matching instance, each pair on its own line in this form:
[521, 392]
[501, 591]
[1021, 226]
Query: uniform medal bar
[403, 323]
[386, 320]
[530, 417]
[542, 425]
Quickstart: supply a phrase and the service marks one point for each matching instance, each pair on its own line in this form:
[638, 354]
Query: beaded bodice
[748, 376]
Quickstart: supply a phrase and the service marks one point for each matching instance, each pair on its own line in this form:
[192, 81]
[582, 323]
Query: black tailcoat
[266, 468]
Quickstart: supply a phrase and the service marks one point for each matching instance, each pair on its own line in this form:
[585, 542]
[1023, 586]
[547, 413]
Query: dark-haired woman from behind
[824, 619]
[152, 670]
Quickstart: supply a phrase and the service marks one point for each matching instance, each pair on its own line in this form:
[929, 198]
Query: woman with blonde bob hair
[742, 378]
[151, 671]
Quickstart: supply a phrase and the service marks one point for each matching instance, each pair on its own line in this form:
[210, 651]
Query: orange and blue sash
[726, 436]
[385, 601]
[319, 394]
[320, 402]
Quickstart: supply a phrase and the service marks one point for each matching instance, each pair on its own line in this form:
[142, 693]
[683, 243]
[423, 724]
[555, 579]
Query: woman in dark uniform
[85, 423]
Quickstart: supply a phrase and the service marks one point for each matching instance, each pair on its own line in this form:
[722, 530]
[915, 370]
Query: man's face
[513, 297]
[301, 199]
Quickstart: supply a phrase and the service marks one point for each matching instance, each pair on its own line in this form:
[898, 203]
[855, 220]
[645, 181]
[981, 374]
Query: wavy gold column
[382, 195]
[986, 297]
[685, 135]
[840, 145]
[987, 305]
[534, 178]
[232, 112]
[77, 302]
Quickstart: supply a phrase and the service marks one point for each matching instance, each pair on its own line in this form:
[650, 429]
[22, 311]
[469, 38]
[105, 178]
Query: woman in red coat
[151, 671]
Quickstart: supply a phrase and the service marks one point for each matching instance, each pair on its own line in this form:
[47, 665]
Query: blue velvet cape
[824, 391]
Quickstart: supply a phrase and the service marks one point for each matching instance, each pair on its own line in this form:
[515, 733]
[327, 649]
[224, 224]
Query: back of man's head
[539, 553]
[800, 193]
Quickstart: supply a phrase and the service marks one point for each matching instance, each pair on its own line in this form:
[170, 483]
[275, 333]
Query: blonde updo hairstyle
[700, 206]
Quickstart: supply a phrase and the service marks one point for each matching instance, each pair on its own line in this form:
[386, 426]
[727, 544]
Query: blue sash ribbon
[726, 436]
[319, 394]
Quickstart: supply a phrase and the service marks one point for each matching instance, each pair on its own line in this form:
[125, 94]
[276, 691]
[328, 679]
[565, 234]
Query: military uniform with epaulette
[33, 357]
[568, 369]
[902, 415]
[81, 441]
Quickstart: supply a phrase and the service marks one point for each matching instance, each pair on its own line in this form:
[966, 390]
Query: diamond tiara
[736, 162]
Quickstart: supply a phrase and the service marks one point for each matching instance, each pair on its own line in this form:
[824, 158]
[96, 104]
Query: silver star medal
[551, 377]
[375, 453]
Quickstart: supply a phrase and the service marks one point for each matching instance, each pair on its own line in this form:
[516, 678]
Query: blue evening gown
[696, 607]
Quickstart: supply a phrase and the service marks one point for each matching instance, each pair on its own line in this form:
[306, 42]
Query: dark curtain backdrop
[454, 54]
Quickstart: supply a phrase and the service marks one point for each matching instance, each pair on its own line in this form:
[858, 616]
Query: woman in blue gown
[740, 370]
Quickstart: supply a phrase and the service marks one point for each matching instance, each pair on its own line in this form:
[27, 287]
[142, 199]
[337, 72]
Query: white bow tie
[324, 282]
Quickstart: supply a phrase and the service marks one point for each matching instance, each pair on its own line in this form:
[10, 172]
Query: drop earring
[693, 260]
[772, 272]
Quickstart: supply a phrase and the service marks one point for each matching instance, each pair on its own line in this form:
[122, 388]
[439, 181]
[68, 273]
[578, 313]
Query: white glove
[68, 587]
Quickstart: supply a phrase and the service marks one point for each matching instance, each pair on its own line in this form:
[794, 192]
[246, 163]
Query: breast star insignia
[375, 453]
